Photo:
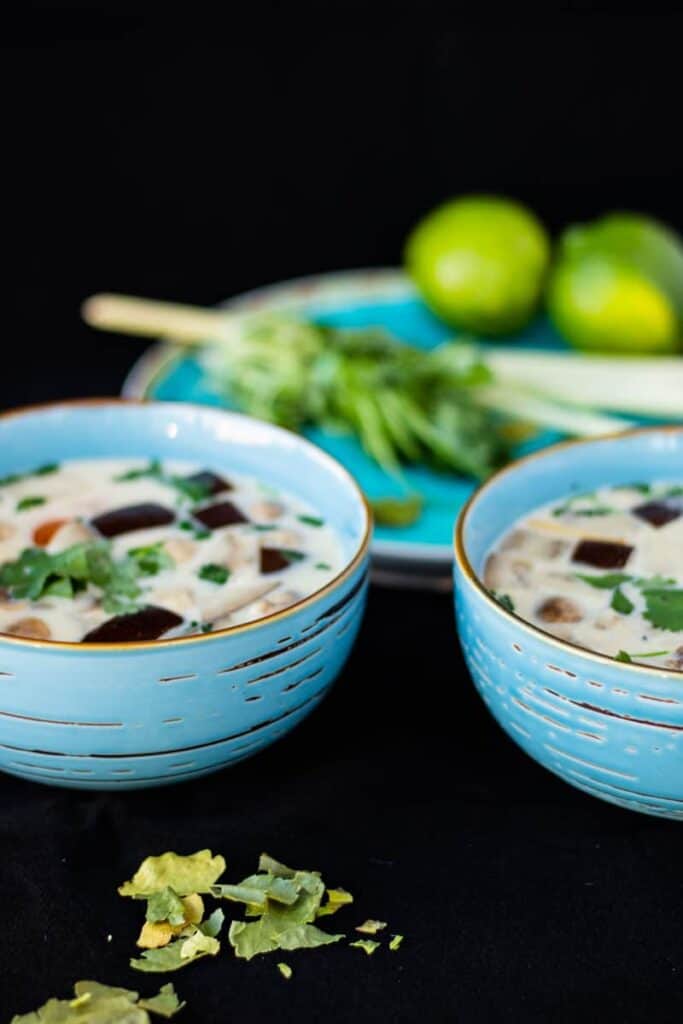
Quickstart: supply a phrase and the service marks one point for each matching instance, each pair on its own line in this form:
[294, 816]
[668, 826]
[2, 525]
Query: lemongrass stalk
[524, 405]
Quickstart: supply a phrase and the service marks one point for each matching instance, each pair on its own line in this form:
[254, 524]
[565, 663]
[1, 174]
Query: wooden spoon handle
[127, 314]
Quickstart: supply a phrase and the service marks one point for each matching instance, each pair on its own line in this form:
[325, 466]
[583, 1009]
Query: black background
[192, 157]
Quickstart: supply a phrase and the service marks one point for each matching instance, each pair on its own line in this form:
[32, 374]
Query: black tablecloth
[193, 167]
[519, 898]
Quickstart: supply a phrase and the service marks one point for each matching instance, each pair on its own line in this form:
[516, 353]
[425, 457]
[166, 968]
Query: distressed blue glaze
[614, 730]
[150, 715]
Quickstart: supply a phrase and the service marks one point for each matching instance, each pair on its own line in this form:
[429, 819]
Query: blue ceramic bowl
[614, 730]
[106, 716]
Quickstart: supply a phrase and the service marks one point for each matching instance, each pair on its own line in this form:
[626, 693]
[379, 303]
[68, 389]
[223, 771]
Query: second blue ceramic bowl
[614, 730]
[107, 716]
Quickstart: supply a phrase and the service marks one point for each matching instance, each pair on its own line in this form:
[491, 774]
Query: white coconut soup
[601, 570]
[115, 550]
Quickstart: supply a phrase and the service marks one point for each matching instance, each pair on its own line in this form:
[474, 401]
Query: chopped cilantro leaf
[290, 555]
[206, 627]
[192, 489]
[608, 581]
[31, 501]
[323, 565]
[504, 600]
[49, 467]
[263, 527]
[151, 559]
[664, 608]
[214, 573]
[625, 656]
[311, 520]
[620, 603]
[641, 488]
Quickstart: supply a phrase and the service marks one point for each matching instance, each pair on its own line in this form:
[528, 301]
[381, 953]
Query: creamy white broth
[273, 551]
[629, 542]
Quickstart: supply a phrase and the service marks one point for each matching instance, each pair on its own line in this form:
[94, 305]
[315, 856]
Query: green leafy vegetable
[311, 520]
[367, 945]
[179, 953]
[323, 565]
[620, 603]
[13, 478]
[503, 599]
[36, 573]
[151, 559]
[395, 943]
[196, 872]
[608, 581]
[192, 489]
[397, 511]
[284, 902]
[625, 656]
[214, 573]
[30, 502]
[101, 1004]
[403, 403]
[165, 905]
[664, 608]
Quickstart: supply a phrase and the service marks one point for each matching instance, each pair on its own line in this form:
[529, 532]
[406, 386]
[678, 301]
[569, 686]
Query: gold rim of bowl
[468, 571]
[196, 638]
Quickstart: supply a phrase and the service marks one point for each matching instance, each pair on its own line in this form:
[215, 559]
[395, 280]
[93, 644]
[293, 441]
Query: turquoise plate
[417, 555]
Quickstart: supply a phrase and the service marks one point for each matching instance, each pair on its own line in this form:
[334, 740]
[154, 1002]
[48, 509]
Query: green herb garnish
[36, 573]
[30, 502]
[193, 490]
[322, 565]
[291, 555]
[311, 520]
[214, 573]
[504, 600]
[263, 527]
[664, 608]
[620, 603]
[151, 559]
[608, 581]
[206, 627]
[397, 511]
[625, 656]
[13, 478]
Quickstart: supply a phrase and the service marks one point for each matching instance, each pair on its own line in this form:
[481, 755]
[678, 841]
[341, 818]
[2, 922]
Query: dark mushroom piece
[559, 609]
[147, 624]
[132, 517]
[656, 513]
[275, 559]
[222, 514]
[602, 554]
[676, 660]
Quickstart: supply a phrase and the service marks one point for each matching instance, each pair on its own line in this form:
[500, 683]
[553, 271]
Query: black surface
[179, 160]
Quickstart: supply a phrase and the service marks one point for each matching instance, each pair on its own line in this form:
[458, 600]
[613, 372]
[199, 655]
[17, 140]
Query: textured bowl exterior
[614, 730]
[150, 714]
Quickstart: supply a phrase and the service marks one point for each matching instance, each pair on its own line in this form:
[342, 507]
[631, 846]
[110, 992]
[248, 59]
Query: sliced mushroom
[265, 511]
[176, 599]
[503, 571]
[534, 544]
[240, 549]
[7, 530]
[559, 609]
[180, 549]
[275, 603]
[235, 599]
[31, 628]
[67, 534]
[281, 539]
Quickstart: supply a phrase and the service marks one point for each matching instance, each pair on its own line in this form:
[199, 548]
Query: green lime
[618, 286]
[480, 263]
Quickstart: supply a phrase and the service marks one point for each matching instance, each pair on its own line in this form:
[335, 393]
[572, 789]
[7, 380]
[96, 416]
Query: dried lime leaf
[285, 970]
[166, 905]
[165, 1004]
[274, 867]
[193, 944]
[371, 927]
[155, 934]
[194, 908]
[336, 899]
[368, 945]
[194, 873]
[251, 938]
[255, 889]
[395, 942]
[213, 923]
[101, 1004]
